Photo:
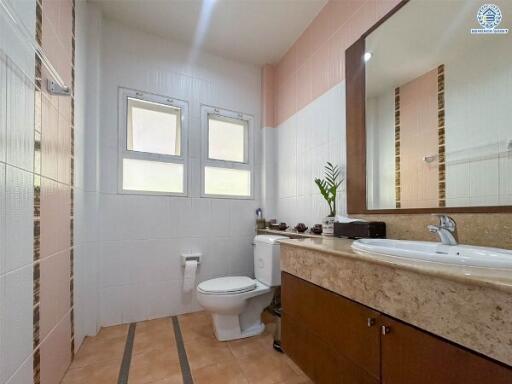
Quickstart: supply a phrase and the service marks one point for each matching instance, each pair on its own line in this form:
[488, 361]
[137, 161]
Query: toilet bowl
[236, 302]
[237, 313]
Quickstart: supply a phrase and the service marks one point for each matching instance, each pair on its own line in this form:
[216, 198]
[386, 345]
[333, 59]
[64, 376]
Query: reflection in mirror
[439, 107]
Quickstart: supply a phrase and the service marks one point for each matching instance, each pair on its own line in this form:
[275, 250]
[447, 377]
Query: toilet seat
[227, 285]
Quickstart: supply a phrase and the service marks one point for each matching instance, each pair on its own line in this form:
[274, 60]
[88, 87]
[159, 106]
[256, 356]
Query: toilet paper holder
[191, 257]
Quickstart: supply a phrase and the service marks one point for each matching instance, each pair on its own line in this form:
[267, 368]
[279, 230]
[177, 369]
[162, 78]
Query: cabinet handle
[385, 330]
[371, 322]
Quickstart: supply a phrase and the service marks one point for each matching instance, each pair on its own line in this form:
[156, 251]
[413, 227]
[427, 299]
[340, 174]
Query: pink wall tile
[286, 98]
[268, 90]
[57, 36]
[54, 291]
[304, 47]
[319, 29]
[56, 353]
[322, 45]
[287, 66]
[304, 85]
[418, 138]
[337, 45]
[55, 217]
[363, 18]
[320, 69]
[340, 12]
[49, 137]
[64, 150]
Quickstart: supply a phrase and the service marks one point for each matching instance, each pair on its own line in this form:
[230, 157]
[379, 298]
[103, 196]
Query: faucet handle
[446, 221]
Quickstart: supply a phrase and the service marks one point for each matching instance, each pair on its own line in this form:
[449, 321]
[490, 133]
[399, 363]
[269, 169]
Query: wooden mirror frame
[356, 137]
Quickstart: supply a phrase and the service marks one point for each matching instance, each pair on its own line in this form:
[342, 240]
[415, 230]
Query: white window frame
[124, 153]
[247, 165]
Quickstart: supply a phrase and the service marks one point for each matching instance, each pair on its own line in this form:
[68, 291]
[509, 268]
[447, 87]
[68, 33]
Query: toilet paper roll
[189, 277]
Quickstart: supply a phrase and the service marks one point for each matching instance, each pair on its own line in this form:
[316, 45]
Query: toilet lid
[231, 284]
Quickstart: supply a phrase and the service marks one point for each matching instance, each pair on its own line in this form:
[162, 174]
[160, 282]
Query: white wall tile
[142, 237]
[19, 211]
[16, 325]
[306, 141]
[20, 118]
[24, 374]
[3, 105]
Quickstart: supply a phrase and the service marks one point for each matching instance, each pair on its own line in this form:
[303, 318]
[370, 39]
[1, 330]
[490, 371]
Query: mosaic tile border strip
[397, 148]
[72, 170]
[441, 130]
[124, 371]
[186, 373]
[36, 365]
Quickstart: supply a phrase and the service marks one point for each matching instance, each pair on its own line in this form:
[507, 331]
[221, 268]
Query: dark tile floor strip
[127, 356]
[182, 354]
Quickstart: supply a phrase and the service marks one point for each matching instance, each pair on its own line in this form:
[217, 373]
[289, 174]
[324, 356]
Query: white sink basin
[463, 255]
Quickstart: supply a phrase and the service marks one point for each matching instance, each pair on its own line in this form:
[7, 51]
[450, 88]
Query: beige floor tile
[246, 347]
[266, 369]
[297, 380]
[106, 346]
[153, 334]
[219, 374]
[194, 319]
[202, 353]
[169, 380]
[294, 366]
[99, 373]
[154, 365]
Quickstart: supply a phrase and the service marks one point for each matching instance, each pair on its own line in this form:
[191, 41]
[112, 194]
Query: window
[152, 138]
[227, 158]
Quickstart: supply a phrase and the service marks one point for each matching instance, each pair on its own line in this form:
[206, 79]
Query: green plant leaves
[329, 185]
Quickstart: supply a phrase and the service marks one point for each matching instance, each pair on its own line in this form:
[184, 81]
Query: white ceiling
[253, 31]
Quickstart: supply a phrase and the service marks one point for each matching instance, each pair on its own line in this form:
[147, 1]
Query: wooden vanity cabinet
[336, 340]
[333, 339]
[409, 355]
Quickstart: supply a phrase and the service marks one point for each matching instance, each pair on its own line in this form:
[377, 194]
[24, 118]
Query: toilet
[236, 302]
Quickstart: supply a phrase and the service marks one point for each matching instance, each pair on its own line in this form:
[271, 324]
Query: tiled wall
[16, 196]
[141, 236]
[310, 106]
[312, 66]
[35, 196]
[302, 154]
[417, 180]
[86, 196]
[316, 61]
[54, 316]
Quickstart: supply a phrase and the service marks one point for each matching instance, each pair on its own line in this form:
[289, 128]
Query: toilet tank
[267, 268]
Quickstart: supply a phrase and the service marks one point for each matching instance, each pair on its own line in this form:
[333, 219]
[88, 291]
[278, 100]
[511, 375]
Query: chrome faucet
[446, 230]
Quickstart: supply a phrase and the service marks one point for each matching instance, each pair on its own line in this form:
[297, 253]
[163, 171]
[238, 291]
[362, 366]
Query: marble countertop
[290, 232]
[485, 277]
[471, 307]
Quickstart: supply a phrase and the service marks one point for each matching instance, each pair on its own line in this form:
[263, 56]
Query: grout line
[127, 356]
[182, 353]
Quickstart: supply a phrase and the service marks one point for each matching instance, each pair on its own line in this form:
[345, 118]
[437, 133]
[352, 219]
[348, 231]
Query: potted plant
[328, 187]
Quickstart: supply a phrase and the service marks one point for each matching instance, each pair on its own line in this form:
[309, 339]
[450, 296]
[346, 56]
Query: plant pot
[328, 226]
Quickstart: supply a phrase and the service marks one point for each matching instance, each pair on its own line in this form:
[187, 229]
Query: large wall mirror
[435, 78]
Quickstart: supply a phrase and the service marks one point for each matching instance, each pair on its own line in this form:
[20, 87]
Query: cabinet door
[410, 356]
[348, 329]
[317, 359]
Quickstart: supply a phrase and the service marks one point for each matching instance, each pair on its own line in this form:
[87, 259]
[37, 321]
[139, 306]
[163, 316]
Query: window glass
[226, 181]
[227, 139]
[153, 128]
[152, 176]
